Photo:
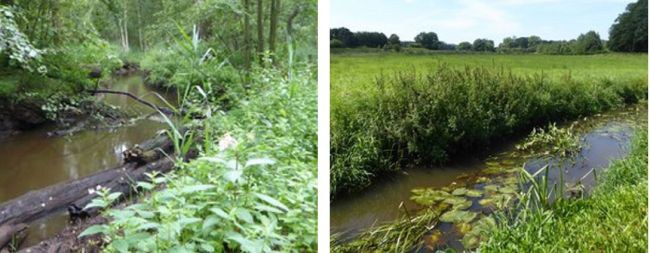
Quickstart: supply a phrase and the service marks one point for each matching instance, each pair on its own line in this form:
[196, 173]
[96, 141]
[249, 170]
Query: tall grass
[409, 116]
[613, 219]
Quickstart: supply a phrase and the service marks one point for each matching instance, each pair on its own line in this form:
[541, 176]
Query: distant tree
[534, 41]
[629, 33]
[371, 39]
[588, 43]
[334, 43]
[507, 43]
[483, 45]
[393, 39]
[464, 46]
[343, 35]
[521, 42]
[444, 46]
[428, 40]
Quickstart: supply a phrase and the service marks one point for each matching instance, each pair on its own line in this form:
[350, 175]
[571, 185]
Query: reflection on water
[30, 160]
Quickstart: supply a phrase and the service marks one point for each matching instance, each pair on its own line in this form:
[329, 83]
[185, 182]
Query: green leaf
[94, 229]
[196, 188]
[210, 222]
[219, 212]
[120, 245]
[244, 215]
[272, 201]
[259, 161]
[457, 216]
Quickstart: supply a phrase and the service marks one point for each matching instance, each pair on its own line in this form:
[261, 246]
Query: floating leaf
[427, 197]
[491, 188]
[463, 228]
[457, 216]
[507, 189]
[473, 193]
[459, 191]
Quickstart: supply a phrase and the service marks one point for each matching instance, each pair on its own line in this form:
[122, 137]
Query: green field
[359, 69]
[392, 110]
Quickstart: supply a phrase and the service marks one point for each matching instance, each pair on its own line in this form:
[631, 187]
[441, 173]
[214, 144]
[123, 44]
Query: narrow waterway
[604, 138]
[31, 160]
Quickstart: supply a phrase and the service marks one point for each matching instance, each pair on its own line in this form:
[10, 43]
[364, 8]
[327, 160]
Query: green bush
[252, 189]
[414, 118]
[177, 70]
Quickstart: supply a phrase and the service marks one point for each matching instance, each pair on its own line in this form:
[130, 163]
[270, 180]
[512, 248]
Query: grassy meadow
[391, 110]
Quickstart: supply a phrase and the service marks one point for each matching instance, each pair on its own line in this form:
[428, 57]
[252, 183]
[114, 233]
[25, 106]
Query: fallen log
[124, 184]
[38, 203]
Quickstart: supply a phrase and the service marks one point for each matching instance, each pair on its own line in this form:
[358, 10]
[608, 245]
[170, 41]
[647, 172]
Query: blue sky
[466, 20]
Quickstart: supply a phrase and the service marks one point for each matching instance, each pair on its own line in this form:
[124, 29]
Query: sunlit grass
[612, 219]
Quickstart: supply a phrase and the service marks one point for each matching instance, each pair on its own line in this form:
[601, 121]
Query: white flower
[226, 142]
[91, 191]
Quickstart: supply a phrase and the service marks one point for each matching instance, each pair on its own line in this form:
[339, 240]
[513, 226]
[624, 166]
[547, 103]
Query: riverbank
[390, 111]
[456, 214]
[614, 218]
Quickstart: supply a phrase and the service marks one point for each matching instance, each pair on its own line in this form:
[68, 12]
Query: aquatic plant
[552, 141]
[613, 218]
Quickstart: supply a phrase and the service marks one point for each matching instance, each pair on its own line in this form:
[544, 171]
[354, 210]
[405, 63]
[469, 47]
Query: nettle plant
[15, 44]
[253, 188]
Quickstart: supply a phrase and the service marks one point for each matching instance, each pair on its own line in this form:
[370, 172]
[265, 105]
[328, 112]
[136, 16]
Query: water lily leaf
[427, 197]
[458, 216]
[486, 201]
[459, 191]
[491, 188]
[463, 228]
[473, 193]
[507, 189]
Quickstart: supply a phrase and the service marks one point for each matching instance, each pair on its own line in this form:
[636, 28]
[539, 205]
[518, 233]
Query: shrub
[412, 118]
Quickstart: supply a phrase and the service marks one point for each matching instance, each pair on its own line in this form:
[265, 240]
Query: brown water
[381, 201]
[604, 138]
[31, 160]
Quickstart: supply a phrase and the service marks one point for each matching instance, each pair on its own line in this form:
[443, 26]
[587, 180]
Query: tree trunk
[292, 16]
[247, 35]
[126, 27]
[140, 25]
[273, 26]
[260, 30]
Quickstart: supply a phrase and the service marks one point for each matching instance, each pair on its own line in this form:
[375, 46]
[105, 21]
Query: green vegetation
[387, 115]
[556, 142]
[253, 189]
[248, 101]
[613, 218]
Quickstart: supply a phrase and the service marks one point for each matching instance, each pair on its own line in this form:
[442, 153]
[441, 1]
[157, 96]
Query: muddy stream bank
[482, 182]
[31, 160]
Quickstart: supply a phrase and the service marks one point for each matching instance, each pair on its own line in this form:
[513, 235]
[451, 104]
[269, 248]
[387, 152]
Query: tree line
[629, 33]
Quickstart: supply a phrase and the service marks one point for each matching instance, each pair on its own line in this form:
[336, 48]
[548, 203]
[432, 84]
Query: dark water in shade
[31, 160]
[604, 138]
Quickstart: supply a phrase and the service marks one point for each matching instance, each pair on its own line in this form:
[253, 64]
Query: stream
[604, 138]
[31, 160]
